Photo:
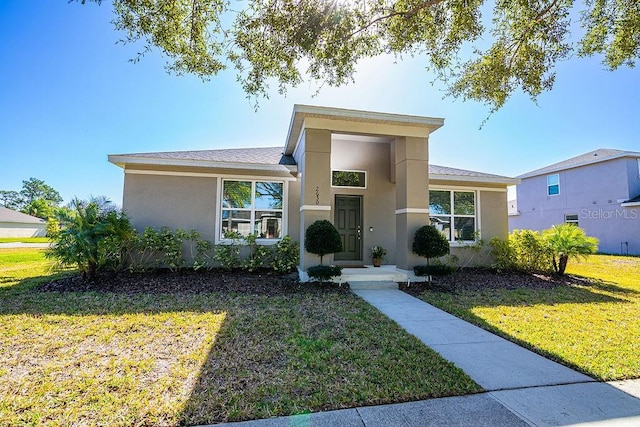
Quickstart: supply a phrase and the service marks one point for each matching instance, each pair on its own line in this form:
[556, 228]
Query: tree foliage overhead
[288, 40]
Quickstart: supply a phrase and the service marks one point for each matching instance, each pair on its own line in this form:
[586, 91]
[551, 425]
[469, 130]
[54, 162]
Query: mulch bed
[263, 282]
[477, 279]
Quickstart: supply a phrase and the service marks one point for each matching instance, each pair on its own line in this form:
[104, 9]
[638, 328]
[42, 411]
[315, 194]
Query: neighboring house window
[638, 168]
[553, 185]
[351, 179]
[252, 207]
[453, 213]
[571, 219]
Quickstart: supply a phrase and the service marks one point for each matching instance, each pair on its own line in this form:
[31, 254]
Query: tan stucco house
[367, 172]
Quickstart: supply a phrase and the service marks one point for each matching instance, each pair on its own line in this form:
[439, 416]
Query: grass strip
[593, 328]
[93, 358]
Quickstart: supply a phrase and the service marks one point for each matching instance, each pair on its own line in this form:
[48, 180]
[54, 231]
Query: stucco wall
[172, 201]
[379, 198]
[293, 211]
[494, 218]
[592, 192]
[14, 229]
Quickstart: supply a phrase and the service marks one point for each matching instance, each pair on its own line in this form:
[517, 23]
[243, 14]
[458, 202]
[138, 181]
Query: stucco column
[412, 196]
[315, 194]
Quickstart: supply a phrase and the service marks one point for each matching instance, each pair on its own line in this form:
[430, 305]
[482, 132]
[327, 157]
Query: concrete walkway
[523, 388]
[12, 245]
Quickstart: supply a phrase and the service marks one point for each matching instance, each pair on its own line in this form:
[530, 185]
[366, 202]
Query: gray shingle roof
[445, 170]
[274, 156]
[8, 215]
[260, 155]
[595, 156]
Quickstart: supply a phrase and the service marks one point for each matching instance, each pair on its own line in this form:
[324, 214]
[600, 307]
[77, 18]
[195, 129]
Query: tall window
[553, 185]
[453, 213]
[250, 207]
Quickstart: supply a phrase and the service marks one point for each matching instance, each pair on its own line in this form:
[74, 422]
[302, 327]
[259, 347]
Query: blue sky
[69, 97]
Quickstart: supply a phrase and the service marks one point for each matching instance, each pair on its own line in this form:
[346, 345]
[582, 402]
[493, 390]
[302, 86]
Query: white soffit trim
[300, 112]
[412, 211]
[478, 179]
[630, 205]
[315, 208]
[124, 160]
[208, 175]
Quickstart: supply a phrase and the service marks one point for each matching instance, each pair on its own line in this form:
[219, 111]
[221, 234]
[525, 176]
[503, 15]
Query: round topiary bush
[428, 242]
[322, 238]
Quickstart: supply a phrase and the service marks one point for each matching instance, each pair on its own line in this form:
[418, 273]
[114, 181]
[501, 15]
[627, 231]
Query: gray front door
[348, 221]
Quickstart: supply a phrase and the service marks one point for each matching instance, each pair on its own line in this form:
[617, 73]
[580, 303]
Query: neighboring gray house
[18, 224]
[599, 191]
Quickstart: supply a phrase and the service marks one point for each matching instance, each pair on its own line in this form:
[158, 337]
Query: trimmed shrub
[205, 251]
[322, 238]
[286, 255]
[504, 257]
[228, 255]
[428, 242]
[159, 249]
[258, 256]
[324, 272]
[531, 252]
[433, 270]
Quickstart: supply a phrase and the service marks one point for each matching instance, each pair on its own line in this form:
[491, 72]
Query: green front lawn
[89, 358]
[593, 327]
[24, 239]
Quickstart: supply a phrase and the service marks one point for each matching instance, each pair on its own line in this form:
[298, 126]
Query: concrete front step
[373, 285]
[370, 274]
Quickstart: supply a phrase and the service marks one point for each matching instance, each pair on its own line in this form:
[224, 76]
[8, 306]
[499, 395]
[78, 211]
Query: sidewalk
[522, 388]
[12, 245]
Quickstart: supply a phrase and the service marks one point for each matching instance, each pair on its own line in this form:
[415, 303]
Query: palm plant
[567, 241]
[93, 236]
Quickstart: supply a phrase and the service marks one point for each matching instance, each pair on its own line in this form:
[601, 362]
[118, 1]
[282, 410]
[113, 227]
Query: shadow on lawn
[491, 290]
[604, 286]
[152, 292]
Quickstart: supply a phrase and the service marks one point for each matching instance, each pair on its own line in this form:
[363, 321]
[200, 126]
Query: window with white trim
[252, 207]
[454, 213]
[553, 185]
[571, 219]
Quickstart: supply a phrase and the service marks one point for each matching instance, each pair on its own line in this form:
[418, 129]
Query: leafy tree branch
[287, 41]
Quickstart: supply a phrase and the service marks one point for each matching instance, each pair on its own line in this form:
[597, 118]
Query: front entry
[348, 221]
